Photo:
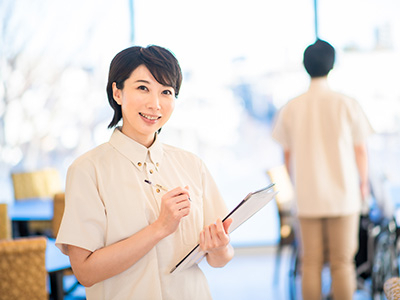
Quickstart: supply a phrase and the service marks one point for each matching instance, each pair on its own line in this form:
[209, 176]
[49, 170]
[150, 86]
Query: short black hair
[161, 63]
[319, 58]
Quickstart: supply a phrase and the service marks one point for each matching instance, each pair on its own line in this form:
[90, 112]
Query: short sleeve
[213, 204]
[84, 221]
[361, 128]
[279, 130]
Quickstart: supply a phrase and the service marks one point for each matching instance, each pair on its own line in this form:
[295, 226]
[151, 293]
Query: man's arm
[361, 156]
[287, 158]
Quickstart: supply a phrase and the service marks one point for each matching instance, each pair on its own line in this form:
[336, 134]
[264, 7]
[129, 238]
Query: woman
[122, 235]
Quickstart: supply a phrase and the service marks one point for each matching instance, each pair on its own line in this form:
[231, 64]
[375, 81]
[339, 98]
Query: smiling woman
[164, 71]
[115, 227]
[142, 90]
[146, 105]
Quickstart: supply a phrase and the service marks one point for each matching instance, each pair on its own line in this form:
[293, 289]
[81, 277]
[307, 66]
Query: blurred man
[323, 134]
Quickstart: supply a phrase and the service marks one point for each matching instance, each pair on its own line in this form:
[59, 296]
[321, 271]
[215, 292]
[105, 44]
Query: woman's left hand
[214, 240]
[215, 237]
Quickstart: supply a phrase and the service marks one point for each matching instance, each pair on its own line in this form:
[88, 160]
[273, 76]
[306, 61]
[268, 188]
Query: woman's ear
[117, 95]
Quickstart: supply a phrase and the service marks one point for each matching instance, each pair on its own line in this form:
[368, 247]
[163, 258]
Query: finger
[220, 235]
[183, 212]
[203, 242]
[220, 226]
[187, 188]
[180, 191]
[207, 236]
[182, 198]
[227, 223]
[182, 204]
[180, 194]
[214, 231]
[174, 200]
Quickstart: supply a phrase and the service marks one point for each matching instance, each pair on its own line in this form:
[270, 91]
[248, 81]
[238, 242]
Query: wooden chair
[392, 288]
[22, 269]
[58, 212]
[43, 184]
[58, 209]
[5, 223]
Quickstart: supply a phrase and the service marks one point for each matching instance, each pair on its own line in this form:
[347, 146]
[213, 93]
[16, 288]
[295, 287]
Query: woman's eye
[143, 88]
[167, 92]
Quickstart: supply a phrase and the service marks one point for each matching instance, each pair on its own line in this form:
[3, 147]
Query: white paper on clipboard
[251, 204]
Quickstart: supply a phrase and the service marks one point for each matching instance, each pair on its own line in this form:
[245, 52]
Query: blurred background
[242, 60]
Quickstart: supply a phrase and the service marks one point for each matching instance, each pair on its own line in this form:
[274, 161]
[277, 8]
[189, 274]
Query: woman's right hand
[175, 205]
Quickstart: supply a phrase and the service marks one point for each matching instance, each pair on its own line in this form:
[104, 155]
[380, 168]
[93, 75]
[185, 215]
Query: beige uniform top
[107, 200]
[320, 129]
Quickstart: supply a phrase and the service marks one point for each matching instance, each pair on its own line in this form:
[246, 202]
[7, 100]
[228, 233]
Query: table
[34, 209]
[23, 211]
[56, 263]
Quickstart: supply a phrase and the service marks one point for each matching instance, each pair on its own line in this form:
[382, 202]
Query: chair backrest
[58, 209]
[37, 184]
[285, 201]
[283, 184]
[5, 223]
[22, 269]
[391, 288]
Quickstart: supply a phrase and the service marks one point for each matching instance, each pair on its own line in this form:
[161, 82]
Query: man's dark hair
[319, 58]
[161, 63]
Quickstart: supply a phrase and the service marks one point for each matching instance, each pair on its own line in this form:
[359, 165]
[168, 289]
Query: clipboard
[251, 204]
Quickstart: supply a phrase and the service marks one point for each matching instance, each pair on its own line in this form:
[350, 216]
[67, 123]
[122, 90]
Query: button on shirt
[320, 129]
[107, 200]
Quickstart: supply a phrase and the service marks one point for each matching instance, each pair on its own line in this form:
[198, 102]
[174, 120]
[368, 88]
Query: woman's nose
[153, 102]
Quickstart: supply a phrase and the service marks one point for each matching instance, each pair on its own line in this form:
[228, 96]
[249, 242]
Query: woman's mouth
[149, 117]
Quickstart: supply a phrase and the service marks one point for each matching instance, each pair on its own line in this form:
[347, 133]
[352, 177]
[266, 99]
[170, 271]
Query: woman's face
[146, 105]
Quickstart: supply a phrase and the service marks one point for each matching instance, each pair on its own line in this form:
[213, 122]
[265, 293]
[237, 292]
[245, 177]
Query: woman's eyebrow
[142, 80]
[148, 82]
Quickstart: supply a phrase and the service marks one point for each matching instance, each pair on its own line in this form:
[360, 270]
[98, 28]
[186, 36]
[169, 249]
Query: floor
[251, 275]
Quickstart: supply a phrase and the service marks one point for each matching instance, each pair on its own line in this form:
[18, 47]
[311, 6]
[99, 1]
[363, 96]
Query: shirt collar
[136, 152]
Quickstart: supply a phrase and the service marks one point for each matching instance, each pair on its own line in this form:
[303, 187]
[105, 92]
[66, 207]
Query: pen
[156, 185]
[159, 186]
